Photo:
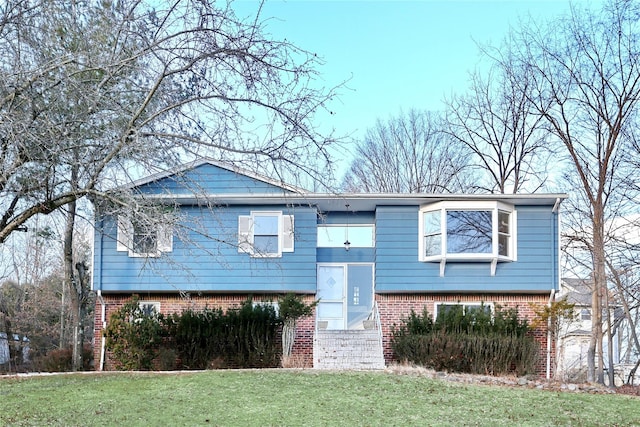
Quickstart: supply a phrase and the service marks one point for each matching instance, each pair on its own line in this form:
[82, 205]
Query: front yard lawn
[295, 398]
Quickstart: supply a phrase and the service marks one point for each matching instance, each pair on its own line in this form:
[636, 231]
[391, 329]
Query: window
[265, 234]
[149, 308]
[585, 314]
[467, 231]
[334, 236]
[144, 238]
[465, 308]
[273, 304]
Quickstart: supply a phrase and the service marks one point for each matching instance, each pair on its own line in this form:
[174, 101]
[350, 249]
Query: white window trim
[471, 205]
[350, 227]
[436, 306]
[286, 234]
[125, 235]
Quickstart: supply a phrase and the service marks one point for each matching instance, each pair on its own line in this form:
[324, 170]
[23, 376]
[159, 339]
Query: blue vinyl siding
[399, 270]
[340, 255]
[200, 263]
[211, 179]
[205, 256]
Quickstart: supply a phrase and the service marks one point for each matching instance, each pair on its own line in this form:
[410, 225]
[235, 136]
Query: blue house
[222, 234]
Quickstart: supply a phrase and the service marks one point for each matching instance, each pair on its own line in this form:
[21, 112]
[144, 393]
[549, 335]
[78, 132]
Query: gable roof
[352, 202]
[181, 169]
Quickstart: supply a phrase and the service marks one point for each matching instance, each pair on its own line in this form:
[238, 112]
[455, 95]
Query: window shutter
[514, 235]
[287, 233]
[124, 237]
[165, 238]
[244, 234]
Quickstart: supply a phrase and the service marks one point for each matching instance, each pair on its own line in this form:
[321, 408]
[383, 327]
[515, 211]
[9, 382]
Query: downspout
[552, 296]
[97, 261]
[103, 318]
[556, 280]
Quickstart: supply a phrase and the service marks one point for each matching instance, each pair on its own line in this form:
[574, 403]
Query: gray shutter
[125, 234]
[287, 233]
[244, 234]
[165, 238]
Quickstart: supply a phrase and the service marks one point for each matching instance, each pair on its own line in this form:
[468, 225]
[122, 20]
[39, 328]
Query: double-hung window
[265, 233]
[467, 231]
[144, 237]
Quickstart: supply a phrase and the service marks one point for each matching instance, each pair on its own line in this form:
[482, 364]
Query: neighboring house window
[443, 308]
[265, 234]
[467, 231]
[585, 314]
[143, 239]
[334, 235]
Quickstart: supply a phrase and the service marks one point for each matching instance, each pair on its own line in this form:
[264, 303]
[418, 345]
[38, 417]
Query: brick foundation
[392, 307]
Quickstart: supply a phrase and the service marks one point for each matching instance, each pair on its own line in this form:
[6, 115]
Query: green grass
[295, 398]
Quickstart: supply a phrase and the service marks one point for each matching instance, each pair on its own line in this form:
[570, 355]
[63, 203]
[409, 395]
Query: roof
[204, 161]
[577, 291]
[352, 202]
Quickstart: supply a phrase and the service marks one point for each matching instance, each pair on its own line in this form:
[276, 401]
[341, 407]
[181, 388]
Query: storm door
[345, 292]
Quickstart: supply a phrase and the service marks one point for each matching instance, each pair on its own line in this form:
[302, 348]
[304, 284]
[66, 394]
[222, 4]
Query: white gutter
[104, 325]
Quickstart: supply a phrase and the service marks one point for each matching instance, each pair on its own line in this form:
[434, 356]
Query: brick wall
[392, 307]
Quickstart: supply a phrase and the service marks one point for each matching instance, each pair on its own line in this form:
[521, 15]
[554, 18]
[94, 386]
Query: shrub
[250, 337]
[471, 342]
[196, 336]
[60, 360]
[134, 337]
[245, 337]
[292, 307]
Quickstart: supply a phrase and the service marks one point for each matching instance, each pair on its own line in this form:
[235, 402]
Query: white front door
[345, 292]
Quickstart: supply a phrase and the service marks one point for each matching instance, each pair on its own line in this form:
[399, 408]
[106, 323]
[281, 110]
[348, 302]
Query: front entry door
[345, 292]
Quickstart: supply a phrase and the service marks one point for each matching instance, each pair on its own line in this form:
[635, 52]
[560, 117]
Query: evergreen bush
[245, 337]
[134, 336]
[470, 341]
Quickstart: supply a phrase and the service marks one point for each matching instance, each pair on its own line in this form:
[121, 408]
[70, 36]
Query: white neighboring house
[4, 348]
[574, 336]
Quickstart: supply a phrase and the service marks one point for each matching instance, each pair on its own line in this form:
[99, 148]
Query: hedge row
[238, 338]
[470, 341]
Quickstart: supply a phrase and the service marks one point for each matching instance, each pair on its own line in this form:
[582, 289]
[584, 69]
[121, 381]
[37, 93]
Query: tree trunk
[599, 289]
[70, 281]
[288, 336]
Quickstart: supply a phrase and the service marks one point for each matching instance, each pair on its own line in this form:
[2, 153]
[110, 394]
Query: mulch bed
[629, 389]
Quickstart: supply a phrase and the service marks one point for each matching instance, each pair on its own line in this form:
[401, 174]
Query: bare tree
[585, 70]
[495, 120]
[111, 90]
[408, 154]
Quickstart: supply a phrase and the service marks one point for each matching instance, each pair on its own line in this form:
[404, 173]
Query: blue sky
[396, 55]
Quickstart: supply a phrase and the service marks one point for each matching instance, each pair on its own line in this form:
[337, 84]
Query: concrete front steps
[350, 349]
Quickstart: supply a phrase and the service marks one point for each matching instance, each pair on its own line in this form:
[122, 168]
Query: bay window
[467, 231]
